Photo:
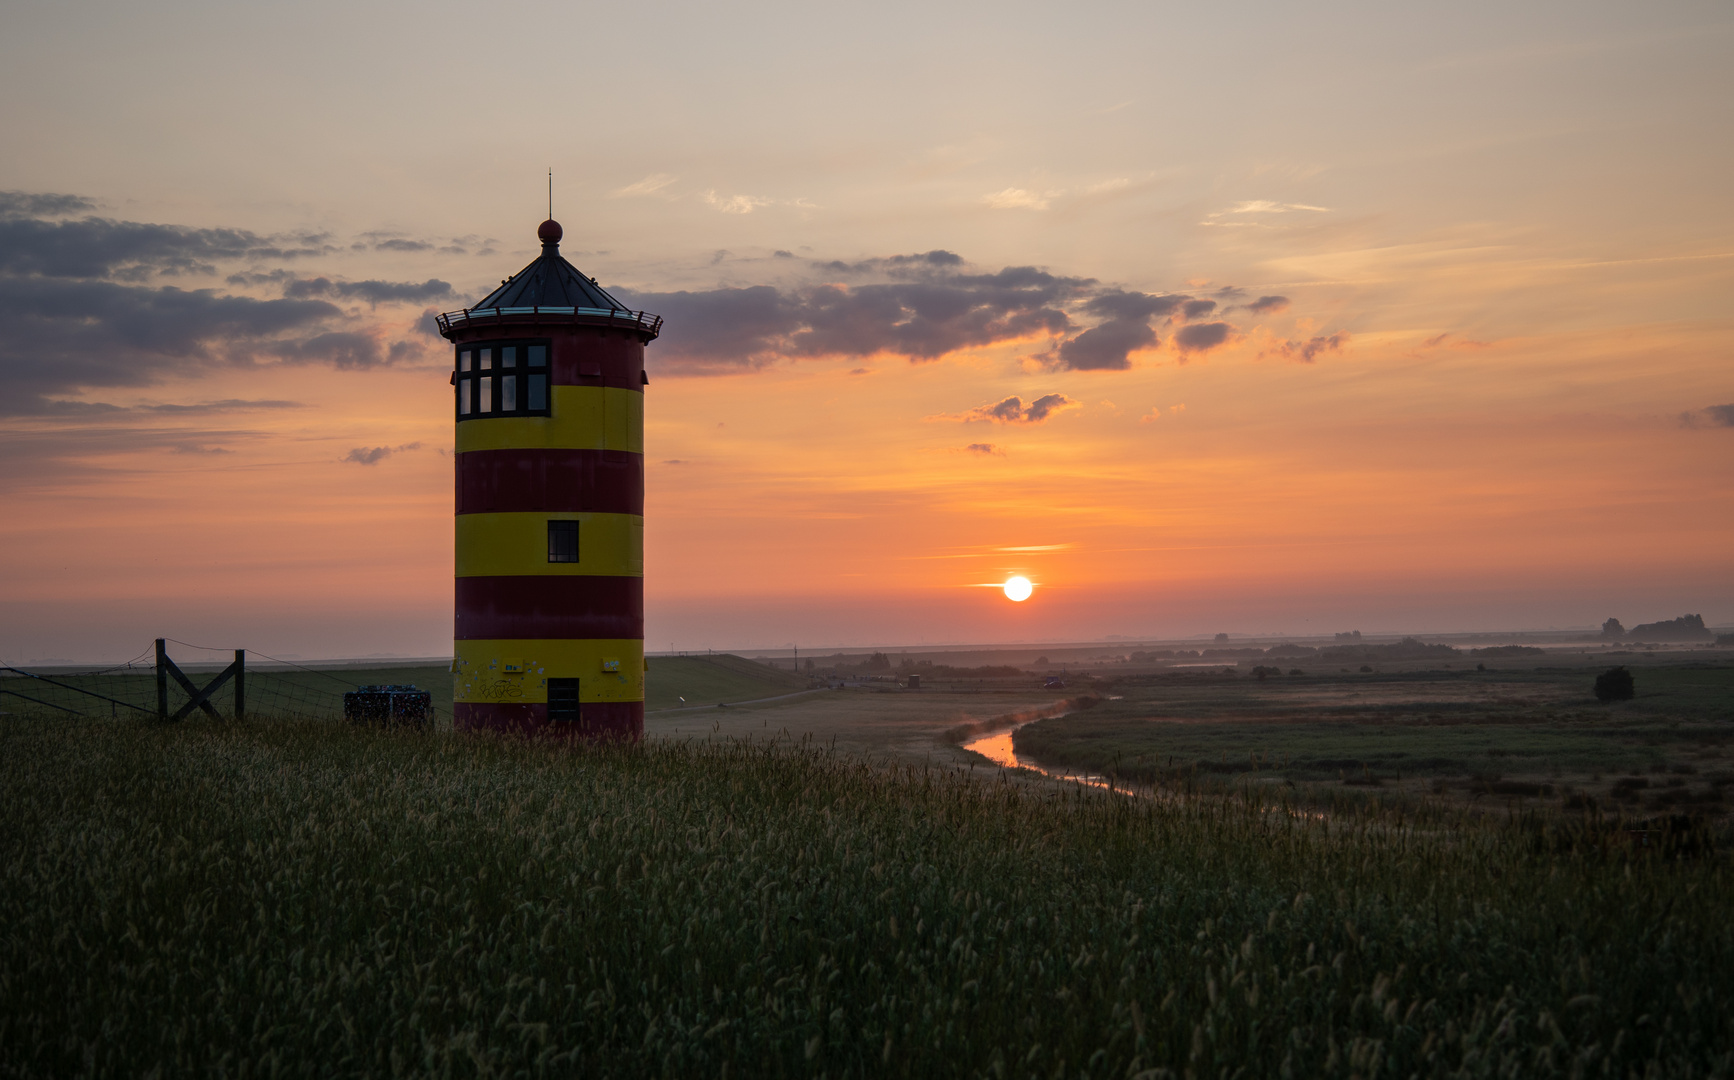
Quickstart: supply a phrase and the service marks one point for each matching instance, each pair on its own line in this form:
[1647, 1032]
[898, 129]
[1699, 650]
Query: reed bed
[302, 899]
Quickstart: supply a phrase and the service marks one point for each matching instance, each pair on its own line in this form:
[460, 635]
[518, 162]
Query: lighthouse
[548, 395]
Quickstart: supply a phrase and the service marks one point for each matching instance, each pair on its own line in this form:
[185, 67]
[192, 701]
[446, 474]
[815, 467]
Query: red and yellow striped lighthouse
[549, 398]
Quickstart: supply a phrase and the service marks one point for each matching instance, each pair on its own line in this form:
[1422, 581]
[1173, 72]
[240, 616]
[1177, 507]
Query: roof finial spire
[550, 231]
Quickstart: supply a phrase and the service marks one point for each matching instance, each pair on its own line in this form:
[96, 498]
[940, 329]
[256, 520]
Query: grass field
[1493, 736]
[299, 898]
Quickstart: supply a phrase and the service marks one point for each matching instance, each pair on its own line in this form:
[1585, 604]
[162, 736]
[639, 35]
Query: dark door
[562, 701]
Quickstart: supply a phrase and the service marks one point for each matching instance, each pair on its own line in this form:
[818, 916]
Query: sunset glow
[1435, 357]
[1018, 588]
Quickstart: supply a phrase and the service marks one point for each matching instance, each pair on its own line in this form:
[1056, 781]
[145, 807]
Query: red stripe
[552, 606]
[597, 720]
[568, 481]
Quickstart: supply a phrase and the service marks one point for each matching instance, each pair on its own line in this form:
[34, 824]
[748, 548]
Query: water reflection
[998, 749]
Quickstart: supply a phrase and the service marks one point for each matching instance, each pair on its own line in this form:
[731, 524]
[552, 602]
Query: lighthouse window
[562, 541]
[492, 381]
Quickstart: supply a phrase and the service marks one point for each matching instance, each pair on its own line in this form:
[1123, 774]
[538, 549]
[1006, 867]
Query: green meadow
[297, 898]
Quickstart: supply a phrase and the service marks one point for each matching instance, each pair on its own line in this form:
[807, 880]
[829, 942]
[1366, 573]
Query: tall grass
[304, 899]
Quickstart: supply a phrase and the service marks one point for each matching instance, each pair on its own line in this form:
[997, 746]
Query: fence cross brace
[201, 699]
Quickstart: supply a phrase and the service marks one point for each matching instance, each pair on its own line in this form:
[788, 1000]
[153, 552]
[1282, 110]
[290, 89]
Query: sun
[1018, 588]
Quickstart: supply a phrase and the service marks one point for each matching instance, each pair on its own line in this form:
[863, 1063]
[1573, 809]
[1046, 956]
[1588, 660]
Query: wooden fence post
[162, 680]
[240, 685]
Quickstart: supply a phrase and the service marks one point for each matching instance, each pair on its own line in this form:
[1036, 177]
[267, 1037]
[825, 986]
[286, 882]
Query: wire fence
[273, 689]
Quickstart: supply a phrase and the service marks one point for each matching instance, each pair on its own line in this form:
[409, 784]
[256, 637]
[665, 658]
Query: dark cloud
[1202, 337]
[1195, 309]
[1107, 347]
[1118, 304]
[403, 245]
[1268, 305]
[66, 336]
[339, 348]
[42, 204]
[130, 250]
[1709, 416]
[226, 405]
[1307, 351]
[986, 449]
[1012, 410]
[373, 455]
[922, 317]
[1230, 292]
[782, 254]
[373, 292]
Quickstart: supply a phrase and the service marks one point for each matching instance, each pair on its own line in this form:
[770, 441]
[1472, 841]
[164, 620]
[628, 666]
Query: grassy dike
[289, 900]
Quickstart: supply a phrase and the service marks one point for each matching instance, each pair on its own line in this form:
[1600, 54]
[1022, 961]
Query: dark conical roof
[549, 281]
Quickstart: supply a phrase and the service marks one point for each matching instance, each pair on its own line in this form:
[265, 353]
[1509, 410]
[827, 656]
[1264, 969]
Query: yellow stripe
[481, 673]
[583, 418]
[516, 545]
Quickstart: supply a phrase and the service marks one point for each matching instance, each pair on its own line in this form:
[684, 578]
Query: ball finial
[550, 232]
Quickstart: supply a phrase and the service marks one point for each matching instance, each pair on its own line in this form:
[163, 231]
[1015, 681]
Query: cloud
[1266, 206]
[42, 204]
[985, 449]
[1202, 337]
[130, 250]
[1019, 199]
[1709, 416]
[734, 204]
[1012, 410]
[1268, 305]
[1107, 347]
[1194, 309]
[650, 185]
[1155, 413]
[926, 312]
[1119, 304]
[66, 336]
[373, 455]
[1309, 350]
[373, 292]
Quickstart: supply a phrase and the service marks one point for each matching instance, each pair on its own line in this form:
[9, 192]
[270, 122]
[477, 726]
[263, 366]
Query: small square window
[464, 360]
[563, 541]
[485, 395]
[538, 393]
[464, 398]
[485, 359]
[509, 356]
[537, 355]
[508, 393]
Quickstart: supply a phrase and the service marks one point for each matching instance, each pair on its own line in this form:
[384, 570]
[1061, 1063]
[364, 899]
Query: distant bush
[1407, 649]
[1615, 684]
[1684, 628]
[1612, 630]
[1509, 650]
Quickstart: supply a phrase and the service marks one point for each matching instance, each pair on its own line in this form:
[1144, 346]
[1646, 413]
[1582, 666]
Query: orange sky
[1511, 265]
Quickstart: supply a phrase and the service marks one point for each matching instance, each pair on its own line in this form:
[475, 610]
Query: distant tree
[1365, 669]
[1352, 635]
[878, 662]
[1296, 671]
[1220, 638]
[1615, 684]
[1041, 661]
[1612, 630]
